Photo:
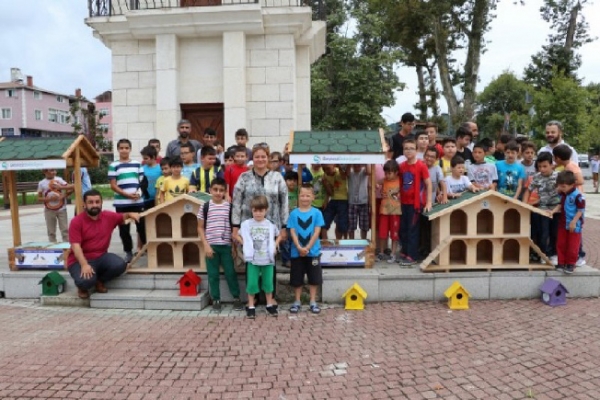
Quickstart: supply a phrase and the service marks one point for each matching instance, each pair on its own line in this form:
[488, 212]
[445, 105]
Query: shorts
[358, 213]
[389, 225]
[595, 176]
[304, 266]
[254, 272]
[336, 210]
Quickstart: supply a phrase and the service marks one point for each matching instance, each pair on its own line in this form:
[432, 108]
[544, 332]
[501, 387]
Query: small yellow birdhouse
[355, 297]
[458, 297]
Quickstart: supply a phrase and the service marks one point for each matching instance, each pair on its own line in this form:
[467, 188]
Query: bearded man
[89, 263]
[184, 128]
[554, 137]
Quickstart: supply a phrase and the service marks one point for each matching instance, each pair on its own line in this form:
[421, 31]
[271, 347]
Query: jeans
[106, 267]
[222, 257]
[124, 230]
[409, 231]
[543, 233]
[286, 249]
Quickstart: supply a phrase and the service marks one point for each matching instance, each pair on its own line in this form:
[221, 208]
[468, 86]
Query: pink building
[104, 107]
[28, 110]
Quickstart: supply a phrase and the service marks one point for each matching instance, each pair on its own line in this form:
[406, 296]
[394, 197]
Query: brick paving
[496, 350]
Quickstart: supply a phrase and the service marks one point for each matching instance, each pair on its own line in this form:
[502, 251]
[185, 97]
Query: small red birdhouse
[189, 284]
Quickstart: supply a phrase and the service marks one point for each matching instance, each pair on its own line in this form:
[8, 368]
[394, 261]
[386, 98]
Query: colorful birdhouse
[355, 297]
[458, 297]
[189, 284]
[52, 284]
[554, 293]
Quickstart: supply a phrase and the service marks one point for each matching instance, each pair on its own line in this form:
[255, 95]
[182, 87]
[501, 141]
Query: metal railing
[106, 8]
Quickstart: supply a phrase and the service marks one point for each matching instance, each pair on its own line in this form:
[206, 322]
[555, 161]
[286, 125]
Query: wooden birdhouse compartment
[482, 231]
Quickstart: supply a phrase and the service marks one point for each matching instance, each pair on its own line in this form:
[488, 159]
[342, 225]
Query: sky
[50, 41]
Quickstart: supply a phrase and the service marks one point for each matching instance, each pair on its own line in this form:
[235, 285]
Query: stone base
[142, 299]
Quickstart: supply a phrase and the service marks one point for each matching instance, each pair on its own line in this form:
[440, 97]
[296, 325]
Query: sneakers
[237, 305]
[391, 260]
[128, 257]
[295, 308]
[314, 308]
[382, 257]
[407, 261]
[580, 262]
[250, 312]
[216, 306]
[569, 269]
[554, 260]
[559, 267]
[272, 310]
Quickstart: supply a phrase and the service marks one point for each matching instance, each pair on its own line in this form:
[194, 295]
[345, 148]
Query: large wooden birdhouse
[189, 284]
[458, 297]
[172, 240]
[52, 284]
[355, 297]
[554, 293]
[485, 230]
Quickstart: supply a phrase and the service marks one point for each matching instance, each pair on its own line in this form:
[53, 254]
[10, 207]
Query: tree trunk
[432, 91]
[440, 37]
[422, 104]
[478, 25]
[571, 28]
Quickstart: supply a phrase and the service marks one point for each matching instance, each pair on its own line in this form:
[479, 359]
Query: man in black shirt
[463, 139]
[407, 123]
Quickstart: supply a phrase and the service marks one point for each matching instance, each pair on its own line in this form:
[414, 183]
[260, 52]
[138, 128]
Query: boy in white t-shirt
[51, 193]
[457, 183]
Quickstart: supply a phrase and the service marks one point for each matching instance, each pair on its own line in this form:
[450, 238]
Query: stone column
[303, 88]
[168, 111]
[234, 84]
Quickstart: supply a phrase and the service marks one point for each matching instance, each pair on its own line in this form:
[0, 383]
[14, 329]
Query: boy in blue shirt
[305, 224]
[152, 171]
[511, 174]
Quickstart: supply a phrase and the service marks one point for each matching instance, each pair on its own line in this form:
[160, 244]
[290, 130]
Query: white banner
[337, 158]
[22, 165]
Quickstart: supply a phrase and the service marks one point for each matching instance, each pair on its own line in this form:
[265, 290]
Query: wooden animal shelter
[343, 148]
[172, 241]
[485, 230]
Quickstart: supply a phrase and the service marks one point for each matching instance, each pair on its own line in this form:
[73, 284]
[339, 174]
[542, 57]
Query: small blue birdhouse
[554, 293]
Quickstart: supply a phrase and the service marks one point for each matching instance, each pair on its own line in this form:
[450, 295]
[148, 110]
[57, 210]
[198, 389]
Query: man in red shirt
[89, 262]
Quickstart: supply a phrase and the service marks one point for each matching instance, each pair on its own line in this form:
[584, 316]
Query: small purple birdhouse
[188, 284]
[554, 293]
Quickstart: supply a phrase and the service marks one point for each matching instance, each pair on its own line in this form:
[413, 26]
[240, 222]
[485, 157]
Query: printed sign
[337, 158]
[39, 259]
[343, 256]
[22, 165]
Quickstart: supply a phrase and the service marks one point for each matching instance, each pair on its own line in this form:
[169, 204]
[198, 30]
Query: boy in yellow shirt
[175, 184]
[335, 181]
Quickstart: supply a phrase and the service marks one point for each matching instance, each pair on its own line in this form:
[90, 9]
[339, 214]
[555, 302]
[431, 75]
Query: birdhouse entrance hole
[353, 297]
[458, 252]
[459, 296]
[191, 255]
[458, 223]
[187, 284]
[485, 222]
[189, 225]
[163, 226]
[510, 251]
[164, 255]
[512, 221]
[48, 283]
[558, 293]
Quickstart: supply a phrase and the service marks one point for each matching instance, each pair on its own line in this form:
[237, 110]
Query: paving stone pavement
[495, 350]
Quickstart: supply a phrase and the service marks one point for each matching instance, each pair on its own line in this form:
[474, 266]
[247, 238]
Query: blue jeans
[543, 233]
[286, 248]
[409, 231]
[106, 267]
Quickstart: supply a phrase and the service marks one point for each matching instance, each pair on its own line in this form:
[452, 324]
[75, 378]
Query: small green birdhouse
[52, 284]
[355, 297]
[458, 297]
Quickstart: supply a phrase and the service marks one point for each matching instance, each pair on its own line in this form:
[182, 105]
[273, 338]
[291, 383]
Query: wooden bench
[22, 187]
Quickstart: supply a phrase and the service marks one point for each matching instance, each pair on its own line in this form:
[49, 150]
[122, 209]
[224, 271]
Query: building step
[144, 299]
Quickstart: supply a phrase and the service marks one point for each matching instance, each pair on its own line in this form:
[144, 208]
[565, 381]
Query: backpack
[205, 213]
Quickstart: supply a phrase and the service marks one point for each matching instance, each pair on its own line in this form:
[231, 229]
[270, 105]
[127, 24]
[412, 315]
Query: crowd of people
[261, 204]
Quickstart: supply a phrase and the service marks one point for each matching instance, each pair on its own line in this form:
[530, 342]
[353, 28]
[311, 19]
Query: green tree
[355, 79]
[570, 32]
[572, 104]
[504, 95]
[85, 120]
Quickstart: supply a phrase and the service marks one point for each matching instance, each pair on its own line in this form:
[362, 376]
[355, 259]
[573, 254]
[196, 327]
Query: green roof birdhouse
[52, 284]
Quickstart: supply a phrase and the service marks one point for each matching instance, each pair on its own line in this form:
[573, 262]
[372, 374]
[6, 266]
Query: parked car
[584, 161]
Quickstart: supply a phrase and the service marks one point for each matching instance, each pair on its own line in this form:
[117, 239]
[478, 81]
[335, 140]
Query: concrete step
[144, 299]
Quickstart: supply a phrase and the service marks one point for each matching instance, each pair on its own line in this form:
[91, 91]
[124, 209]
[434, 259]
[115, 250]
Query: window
[8, 131]
[37, 95]
[7, 113]
[103, 127]
[38, 115]
[60, 99]
[63, 117]
[52, 115]
[10, 93]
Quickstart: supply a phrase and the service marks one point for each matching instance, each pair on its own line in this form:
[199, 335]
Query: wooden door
[202, 116]
[195, 3]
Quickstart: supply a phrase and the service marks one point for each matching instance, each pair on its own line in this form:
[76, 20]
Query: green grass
[105, 190]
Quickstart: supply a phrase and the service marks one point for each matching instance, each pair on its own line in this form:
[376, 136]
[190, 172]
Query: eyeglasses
[261, 145]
